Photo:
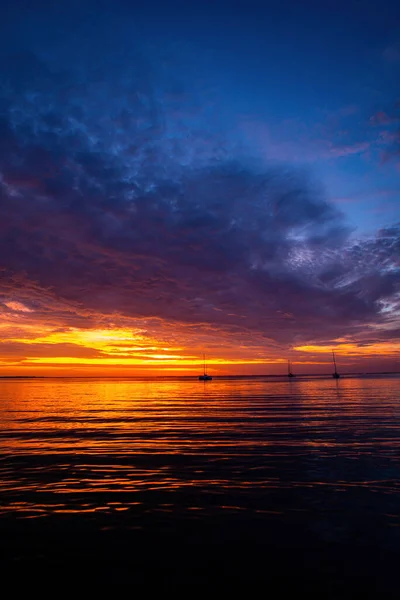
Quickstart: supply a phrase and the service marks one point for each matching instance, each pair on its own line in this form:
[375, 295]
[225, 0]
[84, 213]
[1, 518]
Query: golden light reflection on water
[79, 446]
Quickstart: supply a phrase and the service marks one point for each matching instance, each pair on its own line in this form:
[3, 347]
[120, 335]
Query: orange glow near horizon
[31, 344]
[352, 349]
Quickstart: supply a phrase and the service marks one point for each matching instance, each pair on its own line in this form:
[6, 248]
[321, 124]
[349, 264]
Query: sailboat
[205, 377]
[335, 374]
[289, 366]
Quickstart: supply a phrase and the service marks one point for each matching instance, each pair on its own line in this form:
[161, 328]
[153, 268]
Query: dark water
[180, 483]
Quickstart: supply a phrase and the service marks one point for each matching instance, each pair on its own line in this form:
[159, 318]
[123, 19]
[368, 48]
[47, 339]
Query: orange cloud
[384, 349]
[17, 306]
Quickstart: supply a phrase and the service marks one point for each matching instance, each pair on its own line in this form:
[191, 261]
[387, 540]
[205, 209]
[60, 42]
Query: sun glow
[32, 344]
[42, 346]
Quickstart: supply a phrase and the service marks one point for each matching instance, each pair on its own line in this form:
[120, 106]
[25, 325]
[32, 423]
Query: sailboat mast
[334, 361]
[205, 377]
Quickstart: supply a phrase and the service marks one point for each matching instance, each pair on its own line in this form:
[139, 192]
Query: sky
[180, 178]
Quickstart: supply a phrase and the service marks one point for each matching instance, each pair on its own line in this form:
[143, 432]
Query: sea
[259, 485]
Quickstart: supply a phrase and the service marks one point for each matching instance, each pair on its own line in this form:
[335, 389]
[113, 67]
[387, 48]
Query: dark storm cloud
[113, 201]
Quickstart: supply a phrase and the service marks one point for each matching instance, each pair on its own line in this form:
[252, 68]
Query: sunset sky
[188, 177]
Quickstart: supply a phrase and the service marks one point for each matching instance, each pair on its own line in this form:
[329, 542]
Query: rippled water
[255, 459]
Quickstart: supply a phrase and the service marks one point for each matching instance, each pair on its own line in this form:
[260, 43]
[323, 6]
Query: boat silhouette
[204, 377]
[335, 374]
[290, 374]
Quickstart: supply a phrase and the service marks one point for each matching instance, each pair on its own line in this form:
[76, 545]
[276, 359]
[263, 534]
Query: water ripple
[323, 451]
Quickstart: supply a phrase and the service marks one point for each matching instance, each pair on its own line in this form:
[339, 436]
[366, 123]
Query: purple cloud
[112, 206]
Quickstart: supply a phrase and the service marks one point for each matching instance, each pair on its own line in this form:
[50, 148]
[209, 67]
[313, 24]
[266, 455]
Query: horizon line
[281, 375]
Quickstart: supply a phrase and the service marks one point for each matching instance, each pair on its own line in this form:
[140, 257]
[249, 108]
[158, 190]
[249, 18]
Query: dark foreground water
[236, 484]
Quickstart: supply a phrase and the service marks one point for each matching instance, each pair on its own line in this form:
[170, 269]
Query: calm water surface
[277, 460]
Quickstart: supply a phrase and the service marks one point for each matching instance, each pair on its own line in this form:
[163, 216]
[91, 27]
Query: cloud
[349, 149]
[113, 207]
[382, 118]
[389, 134]
[14, 351]
[17, 307]
[332, 135]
